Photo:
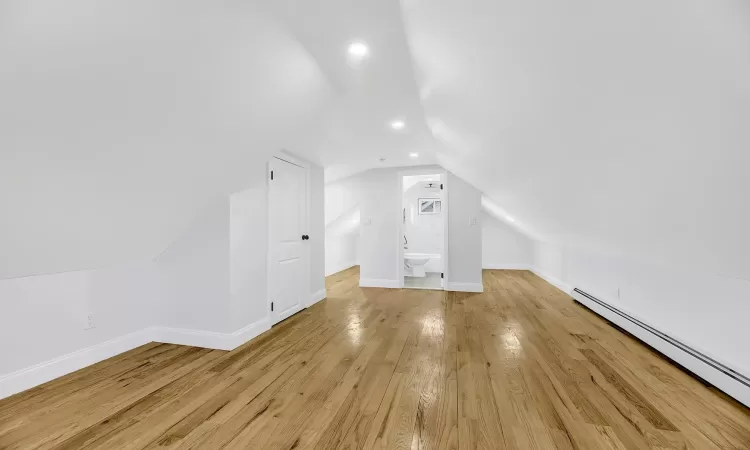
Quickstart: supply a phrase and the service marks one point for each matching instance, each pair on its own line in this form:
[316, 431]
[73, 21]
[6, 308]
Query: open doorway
[423, 237]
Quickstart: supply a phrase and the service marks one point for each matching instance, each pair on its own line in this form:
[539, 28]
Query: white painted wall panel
[195, 276]
[248, 244]
[43, 317]
[464, 231]
[504, 247]
[705, 310]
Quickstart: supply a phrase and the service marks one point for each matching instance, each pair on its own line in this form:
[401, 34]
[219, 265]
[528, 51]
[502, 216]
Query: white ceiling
[120, 120]
[369, 96]
[616, 126]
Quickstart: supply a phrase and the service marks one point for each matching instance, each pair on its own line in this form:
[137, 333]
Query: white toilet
[416, 262]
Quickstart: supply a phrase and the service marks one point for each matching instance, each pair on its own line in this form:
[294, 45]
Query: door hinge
[442, 275]
[272, 174]
[271, 306]
[441, 185]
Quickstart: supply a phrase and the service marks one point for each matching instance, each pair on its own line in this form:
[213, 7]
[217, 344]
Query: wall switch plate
[89, 322]
[472, 221]
[368, 220]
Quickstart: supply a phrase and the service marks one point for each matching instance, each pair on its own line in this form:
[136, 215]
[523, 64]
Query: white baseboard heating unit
[724, 378]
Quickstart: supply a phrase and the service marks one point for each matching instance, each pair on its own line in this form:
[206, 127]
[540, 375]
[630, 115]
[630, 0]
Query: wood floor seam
[518, 366]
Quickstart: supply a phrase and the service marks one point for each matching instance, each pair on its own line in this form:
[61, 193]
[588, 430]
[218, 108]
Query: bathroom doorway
[423, 232]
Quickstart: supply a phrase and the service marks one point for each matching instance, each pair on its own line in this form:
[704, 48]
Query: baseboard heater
[724, 378]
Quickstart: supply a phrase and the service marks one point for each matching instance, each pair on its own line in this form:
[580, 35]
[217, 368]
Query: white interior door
[287, 247]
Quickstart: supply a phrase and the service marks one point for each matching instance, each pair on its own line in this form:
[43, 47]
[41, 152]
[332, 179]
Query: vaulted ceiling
[615, 126]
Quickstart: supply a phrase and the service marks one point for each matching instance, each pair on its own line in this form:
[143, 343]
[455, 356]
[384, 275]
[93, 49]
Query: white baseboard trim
[340, 267]
[554, 281]
[35, 375]
[380, 283]
[210, 339]
[318, 296]
[730, 385]
[249, 332]
[506, 266]
[464, 287]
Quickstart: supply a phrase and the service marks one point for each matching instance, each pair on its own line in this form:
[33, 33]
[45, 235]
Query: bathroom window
[430, 206]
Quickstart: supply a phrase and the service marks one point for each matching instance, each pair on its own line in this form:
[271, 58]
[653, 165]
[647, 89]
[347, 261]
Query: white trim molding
[211, 339]
[41, 373]
[521, 266]
[464, 287]
[379, 283]
[553, 281]
[730, 380]
[37, 374]
[318, 296]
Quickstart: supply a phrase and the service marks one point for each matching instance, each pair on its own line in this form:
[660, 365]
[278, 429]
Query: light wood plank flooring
[518, 367]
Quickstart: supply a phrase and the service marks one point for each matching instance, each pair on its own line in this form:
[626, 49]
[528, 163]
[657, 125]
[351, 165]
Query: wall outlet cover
[89, 324]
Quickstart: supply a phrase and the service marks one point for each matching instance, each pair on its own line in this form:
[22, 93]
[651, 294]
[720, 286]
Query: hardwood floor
[519, 366]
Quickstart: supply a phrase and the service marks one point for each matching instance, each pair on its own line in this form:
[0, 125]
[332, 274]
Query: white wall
[342, 224]
[205, 288]
[504, 247]
[341, 252]
[317, 230]
[109, 148]
[380, 211]
[248, 243]
[43, 317]
[214, 276]
[464, 234]
[633, 153]
[194, 274]
[376, 194]
[704, 310]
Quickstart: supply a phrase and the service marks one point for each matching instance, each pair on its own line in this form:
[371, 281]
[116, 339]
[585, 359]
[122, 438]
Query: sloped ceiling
[615, 126]
[120, 120]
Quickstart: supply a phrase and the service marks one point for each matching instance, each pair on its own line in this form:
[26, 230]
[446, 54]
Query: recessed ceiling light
[398, 124]
[415, 156]
[358, 50]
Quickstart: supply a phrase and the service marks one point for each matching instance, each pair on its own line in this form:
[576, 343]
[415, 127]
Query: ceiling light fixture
[398, 124]
[414, 156]
[358, 50]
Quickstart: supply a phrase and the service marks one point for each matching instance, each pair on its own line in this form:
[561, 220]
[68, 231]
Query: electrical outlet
[89, 322]
[472, 221]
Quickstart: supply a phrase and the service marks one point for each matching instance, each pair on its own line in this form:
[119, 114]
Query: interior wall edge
[519, 266]
[210, 339]
[317, 297]
[340, 267]
[553, 281]
[464, 287]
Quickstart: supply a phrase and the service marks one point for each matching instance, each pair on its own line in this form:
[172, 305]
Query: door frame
[446, 231]
[305, 302]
